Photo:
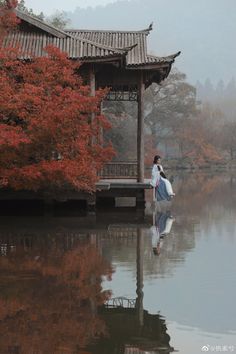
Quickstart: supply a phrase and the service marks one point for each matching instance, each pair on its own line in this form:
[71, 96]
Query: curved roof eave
[154, 62]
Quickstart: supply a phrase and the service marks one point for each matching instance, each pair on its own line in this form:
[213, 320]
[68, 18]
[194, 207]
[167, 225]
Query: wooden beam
[140, 133]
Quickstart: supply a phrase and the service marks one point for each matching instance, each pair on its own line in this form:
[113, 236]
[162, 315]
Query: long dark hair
[156, 158]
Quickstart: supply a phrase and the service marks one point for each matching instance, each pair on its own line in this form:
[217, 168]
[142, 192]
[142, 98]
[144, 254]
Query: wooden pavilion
[115, 59]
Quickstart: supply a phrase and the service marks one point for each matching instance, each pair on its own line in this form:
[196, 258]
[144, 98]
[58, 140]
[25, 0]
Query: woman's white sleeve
[155, 176]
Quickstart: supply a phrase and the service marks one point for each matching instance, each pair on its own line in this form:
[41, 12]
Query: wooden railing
[121, 302]
[119, 169]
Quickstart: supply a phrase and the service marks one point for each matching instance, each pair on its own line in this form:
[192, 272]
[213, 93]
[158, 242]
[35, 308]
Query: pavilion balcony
[120, 170]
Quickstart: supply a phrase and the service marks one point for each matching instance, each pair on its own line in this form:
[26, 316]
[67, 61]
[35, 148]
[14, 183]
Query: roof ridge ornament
[150, 28]
[174, 55]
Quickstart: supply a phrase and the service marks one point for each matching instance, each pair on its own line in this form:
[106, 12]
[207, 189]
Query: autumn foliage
[8, 20]
[194, 143]
[47, 139]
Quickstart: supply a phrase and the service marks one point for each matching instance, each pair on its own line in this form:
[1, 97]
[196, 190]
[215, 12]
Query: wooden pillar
[100, 132]
[140, 133]
[92, 84]
[91, 203]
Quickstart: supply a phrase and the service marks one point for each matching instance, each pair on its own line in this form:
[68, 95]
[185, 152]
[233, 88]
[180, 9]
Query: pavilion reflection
[132, 330]
[52, 299]
[127, 337]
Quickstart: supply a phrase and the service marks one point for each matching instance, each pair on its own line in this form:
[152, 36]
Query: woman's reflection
[162, 224]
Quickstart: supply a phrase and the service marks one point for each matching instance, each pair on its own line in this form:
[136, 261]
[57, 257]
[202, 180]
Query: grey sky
[204, 30]
[48, 7]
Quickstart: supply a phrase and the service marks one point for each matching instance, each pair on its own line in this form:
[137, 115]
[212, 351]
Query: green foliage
[58, 19]
[176, 124]
[169, 103]
[122, 116]
[21, 6]
[227, 138]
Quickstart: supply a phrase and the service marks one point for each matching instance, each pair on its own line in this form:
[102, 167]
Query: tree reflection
[195, 190]
[48, 301]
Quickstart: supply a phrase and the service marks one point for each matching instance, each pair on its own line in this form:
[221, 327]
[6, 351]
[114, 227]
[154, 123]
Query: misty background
[203, 30]
[200, 95]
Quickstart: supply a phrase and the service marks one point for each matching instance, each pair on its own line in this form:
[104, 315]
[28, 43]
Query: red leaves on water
[51, 299]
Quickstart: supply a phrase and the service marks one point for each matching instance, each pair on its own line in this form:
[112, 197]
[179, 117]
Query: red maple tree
[45, 126]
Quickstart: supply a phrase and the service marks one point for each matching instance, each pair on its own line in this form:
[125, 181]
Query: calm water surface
[122, 282]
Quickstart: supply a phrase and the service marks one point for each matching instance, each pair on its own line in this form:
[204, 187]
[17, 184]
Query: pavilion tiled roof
[136, 40]
[84, 44]
[33, 44]
[42, 34]
[119, 39]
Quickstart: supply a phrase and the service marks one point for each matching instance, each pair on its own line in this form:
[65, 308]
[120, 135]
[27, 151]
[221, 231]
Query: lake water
[121, 281]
